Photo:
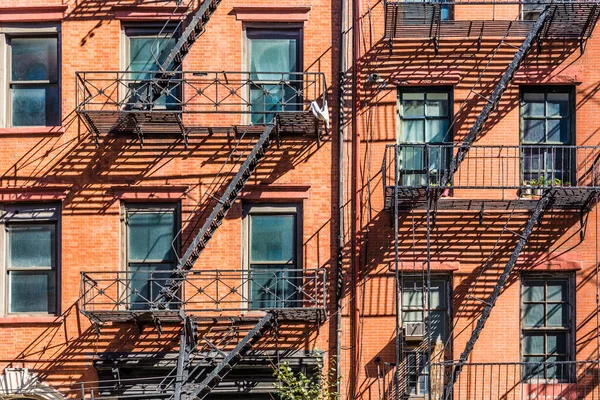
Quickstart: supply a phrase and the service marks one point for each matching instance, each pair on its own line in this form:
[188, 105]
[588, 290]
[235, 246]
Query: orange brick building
[195, 192]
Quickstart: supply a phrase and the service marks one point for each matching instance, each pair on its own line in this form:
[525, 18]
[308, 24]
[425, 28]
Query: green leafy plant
[320, 385]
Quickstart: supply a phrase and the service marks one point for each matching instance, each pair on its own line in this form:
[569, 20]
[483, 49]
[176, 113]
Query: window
[546, 327]
[31, 259]
[414, 309]
[546, 124]
[33, 81]
[423, 13]
[274, 58]
[531, 10]
[147, 46]
[272, 256]
[151, 230]
[424, 119]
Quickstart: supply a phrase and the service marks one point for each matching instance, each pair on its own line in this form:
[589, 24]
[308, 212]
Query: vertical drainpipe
[342, 65]
[355, 203]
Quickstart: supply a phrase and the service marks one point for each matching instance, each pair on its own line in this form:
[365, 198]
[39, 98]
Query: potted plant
[527, 189]
[538, 185]
[446, 192]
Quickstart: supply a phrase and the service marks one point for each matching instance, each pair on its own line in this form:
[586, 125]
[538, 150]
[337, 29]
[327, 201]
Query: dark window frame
[261, 209]
[10, 83]
[559, 147]
[548, 330]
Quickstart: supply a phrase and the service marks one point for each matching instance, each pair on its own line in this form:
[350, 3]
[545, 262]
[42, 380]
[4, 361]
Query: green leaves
[319, 385]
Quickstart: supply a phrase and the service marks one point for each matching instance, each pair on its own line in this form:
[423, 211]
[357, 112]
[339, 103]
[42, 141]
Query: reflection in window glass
[31, 268]
[34, 81]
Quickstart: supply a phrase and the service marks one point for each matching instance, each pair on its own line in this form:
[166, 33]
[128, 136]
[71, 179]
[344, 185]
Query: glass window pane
[146, 282]
[32, 291]
[151, 235]
[34, 59]
[533, 343]
[412, 316]
[412, 298]
[272, 55]
[31, 246]
[557, 343]
[557, 315]
[272, 238]
[146, 53]
[438, 325]
[533, 315]
[273, 287]
[558, 131]
[437, 130]
[34, 105]
[558, 104]
[534, 367]
[413, 104]
[557, 291]
[437, 104]
[533, 291]
[438, 294]
[533, 131]
[533, 104]
[414, 131]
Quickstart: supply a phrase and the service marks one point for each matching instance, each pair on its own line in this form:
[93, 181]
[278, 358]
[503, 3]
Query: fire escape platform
[423, 20]
[122, 102]
[568, 199]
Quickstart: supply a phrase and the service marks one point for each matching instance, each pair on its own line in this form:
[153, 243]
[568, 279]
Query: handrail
[493, 166]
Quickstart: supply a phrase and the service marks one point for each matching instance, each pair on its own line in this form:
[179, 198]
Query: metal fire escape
[555, 21]
[106, 111]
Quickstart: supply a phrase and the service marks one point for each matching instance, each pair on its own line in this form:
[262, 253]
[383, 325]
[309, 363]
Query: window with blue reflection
[148, 48]
[274, 57]
[31, 267]
[274, 281]
[150, 254]
[33, 83]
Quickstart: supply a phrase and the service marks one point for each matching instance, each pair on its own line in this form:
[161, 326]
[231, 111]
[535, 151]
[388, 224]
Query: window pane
[413, 104]
[31, 246]
[533, 343]
[412, 294]
[414, 131]
[557, 343]
[533, 104]
[438, 325]
[534, 367]
[34, 59]
[273, 287]
[558, 131]
[437, 104]
[146, 282]
[34, 105]
[533, 131]
[412, 316]
[558, 104]
[557, 291]
[436, 130]
[32, 291]
[146, 53]
[438, 294]
[534, 315]
[272, 238]
[272, 55]
[557, 315]
[533, 291]
[151, 235]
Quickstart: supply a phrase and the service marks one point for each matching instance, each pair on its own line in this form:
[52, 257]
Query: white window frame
[29, 214]
[7, 31]
[268, 209]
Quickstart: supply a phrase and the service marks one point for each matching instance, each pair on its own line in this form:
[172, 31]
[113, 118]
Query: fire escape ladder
[187, 344]
[214, 220]
[189, 390]
[192, 32]
[494, 99]
[489, 304]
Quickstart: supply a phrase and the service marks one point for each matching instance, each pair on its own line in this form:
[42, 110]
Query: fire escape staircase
[494, 99]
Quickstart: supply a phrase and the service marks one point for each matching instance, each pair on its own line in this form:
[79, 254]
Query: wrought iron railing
[565, 380]
[493, 167]
[259, 93]
[205, 291]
